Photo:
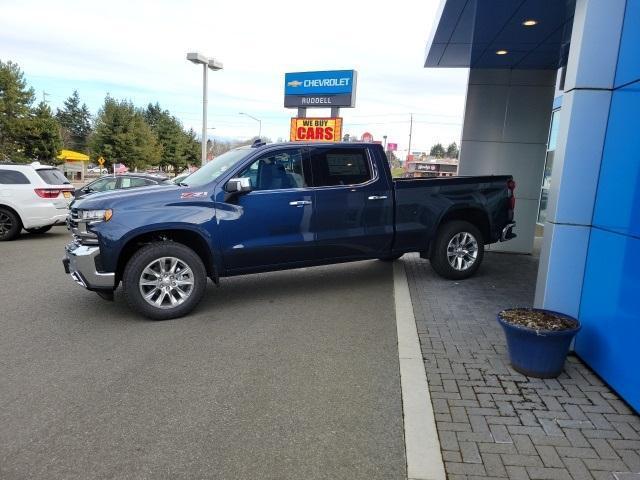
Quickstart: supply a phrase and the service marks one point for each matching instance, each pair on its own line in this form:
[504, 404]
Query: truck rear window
[53, 176]
[340, 166]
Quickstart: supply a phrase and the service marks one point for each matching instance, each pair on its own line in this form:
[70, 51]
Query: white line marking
[424, 458]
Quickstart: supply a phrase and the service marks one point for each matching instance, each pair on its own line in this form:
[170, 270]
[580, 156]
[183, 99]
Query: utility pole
[44, 96]
[410, 134]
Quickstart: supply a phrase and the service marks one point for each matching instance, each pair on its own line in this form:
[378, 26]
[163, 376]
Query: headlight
[95, 215]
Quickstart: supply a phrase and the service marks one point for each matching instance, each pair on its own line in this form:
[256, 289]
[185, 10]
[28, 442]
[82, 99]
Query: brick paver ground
[494, 422]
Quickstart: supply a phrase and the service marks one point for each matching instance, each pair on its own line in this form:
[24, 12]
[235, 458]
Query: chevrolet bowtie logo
[294, 83]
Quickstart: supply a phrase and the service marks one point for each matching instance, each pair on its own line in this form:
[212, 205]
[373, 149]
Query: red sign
[366, 137]
[316, 129]
[392, 147]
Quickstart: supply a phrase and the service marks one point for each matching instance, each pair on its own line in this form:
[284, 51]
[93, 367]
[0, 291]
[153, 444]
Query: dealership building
[553, 98]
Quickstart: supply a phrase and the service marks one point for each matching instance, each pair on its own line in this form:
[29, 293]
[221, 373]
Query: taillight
[48, 192]
[511, 185]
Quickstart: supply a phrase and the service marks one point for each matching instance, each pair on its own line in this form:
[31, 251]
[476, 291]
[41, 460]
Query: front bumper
[80, 262]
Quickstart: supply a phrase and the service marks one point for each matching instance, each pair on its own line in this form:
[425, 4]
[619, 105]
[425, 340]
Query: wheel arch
[12, 210]
[474, 215]
[188, 237]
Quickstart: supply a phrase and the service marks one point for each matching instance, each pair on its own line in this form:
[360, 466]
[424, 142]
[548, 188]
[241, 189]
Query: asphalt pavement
[286, 375]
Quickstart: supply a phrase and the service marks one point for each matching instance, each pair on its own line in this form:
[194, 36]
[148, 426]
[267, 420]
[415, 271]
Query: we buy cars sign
[316, 129]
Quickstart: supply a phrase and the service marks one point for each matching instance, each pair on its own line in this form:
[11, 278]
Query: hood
[97, 201]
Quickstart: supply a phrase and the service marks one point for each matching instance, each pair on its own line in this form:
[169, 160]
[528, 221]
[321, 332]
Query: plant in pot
[538, 340]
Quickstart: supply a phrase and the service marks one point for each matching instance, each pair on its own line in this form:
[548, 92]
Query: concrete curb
[424, 458]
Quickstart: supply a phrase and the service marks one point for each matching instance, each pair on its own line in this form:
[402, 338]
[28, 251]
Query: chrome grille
[79, 230]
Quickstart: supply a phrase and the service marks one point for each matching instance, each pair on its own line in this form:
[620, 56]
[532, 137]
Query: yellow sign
[101, 161]
[316, 129]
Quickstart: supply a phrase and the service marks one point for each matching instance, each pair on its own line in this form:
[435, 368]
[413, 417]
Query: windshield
[216, 167]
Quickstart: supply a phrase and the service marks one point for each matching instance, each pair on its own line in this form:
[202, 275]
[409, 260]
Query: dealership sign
[335, 88]
[316, 129]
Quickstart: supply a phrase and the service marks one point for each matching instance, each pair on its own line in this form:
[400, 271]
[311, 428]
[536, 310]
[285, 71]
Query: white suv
[34, 197]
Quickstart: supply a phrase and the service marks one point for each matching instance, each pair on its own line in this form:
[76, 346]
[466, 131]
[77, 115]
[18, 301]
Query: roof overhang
[468, 33]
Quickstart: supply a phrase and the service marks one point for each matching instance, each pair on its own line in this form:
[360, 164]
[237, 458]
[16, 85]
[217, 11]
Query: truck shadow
[325, 282]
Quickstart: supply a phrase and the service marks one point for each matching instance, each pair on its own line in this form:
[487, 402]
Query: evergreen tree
[193, 150]
[437, 151]
[170, 135]
[452, 150]
[75, 121]
[40, 135]
[15, 108]
[122, 135]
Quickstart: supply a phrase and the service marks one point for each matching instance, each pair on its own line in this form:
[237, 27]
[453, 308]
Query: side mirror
[238, 185]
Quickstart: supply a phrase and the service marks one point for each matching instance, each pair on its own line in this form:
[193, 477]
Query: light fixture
[530, 22]
[207, 64]
[501, 52]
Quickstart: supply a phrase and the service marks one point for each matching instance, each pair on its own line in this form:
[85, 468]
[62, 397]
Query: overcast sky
[136, 50]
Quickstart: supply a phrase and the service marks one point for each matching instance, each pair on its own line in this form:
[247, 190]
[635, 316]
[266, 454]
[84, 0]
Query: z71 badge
[193, 195]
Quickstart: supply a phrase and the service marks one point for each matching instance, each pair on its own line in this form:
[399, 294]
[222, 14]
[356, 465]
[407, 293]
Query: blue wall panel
[610, 312]
[629, 56]
[618, 198]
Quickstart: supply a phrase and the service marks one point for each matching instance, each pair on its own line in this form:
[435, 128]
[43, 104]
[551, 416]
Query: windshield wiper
[182, 184]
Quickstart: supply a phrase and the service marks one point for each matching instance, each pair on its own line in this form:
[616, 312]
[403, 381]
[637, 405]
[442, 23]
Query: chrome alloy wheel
[5, 223]
[167, 282]
[462, 251]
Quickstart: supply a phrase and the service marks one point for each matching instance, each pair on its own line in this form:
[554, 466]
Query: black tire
[10, 225]
[391, 258]
[39, 230]
[440, 256]
[146, 256]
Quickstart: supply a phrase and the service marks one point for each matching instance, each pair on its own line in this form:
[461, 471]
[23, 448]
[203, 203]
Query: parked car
[274, 207]
[179, 178]
[34, 197]
[119, 168]
[97, 170]
[118, 182]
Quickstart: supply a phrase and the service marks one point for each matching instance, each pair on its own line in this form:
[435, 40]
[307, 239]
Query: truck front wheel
[458, 250]
[164, 280]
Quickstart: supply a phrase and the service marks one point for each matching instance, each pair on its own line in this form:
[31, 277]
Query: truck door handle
[300, 203]
[378, 197]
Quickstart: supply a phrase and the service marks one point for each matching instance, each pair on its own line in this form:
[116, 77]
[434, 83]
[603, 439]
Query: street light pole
[205, 81]
[257, 120]
[207, 63]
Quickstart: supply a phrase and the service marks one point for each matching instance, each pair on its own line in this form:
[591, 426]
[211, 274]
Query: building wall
[589, 265]
[610, 300]
[505, 131]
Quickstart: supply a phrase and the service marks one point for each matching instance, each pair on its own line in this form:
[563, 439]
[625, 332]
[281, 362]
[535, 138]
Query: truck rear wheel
[164, 280]
[458, 250]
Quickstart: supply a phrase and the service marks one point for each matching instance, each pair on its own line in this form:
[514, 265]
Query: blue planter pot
[538, 353]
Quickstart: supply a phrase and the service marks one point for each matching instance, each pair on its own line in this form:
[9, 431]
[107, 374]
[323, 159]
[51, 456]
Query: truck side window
[276, 171]
[339, 166]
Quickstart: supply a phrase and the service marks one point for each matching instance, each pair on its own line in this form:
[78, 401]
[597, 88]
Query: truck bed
[422, 203]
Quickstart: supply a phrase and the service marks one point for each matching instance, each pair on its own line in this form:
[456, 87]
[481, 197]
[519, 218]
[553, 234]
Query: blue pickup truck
[279, 206]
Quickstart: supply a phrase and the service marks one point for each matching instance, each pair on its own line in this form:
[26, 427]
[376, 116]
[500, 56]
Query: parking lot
[280, 375]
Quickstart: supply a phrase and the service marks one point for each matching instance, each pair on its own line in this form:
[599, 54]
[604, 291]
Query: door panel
[353, 214]
[272, 223]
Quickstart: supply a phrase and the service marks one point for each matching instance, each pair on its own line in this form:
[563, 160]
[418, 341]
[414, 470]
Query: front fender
[126, 226]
